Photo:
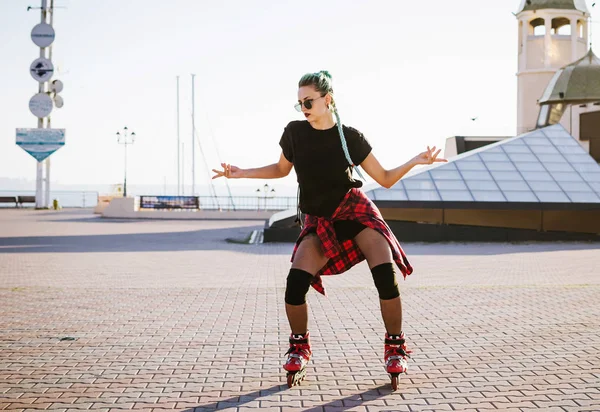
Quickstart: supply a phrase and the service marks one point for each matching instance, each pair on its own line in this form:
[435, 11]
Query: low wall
[127, 208]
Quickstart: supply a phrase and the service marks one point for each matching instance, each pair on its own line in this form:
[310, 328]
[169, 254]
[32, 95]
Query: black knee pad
[384, 276]
[298, 282]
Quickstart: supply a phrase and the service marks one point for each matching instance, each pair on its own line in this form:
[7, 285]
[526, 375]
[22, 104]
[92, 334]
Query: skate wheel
[394, 382]
[294, 378]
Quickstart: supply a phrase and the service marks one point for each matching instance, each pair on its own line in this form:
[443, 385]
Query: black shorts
[347, 229]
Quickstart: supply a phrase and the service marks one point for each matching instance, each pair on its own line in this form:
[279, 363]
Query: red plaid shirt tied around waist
[343, 255]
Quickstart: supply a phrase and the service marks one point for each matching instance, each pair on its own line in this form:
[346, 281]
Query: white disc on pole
[57, 86]
[41, 69]
[58, 101]
[43, 35]
[41, 105]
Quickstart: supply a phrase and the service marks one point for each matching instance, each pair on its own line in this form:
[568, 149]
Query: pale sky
[406, 73]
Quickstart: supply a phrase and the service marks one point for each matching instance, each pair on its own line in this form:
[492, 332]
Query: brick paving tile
[398, 408]
[34, 406]
[169, 315]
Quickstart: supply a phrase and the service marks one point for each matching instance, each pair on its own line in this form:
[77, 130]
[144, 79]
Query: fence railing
[66, 198]
[247, 203]
[272, 203]
[77, 199]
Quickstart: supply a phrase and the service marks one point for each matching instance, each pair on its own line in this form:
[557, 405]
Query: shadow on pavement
[208, 239]
[237, 401]
[346, 403]
[353, 401]
[217, 239]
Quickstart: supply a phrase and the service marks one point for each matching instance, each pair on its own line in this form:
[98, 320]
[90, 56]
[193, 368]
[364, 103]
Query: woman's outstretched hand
[229, 171]
[428, 157]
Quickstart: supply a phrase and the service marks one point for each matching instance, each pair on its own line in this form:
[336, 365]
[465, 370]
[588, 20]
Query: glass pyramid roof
[547, 165]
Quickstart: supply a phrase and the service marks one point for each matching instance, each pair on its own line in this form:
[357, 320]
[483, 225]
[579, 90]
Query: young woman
[342, 225]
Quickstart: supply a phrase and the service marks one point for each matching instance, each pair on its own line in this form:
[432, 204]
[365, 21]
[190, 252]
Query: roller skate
[298, 356]
[395, 357]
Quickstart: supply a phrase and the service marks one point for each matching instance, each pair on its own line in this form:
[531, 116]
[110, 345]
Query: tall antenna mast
[193, 138]
[178, 146]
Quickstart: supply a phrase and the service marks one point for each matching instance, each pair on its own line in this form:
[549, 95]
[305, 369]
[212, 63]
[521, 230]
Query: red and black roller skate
[395, 357]
[298, 356]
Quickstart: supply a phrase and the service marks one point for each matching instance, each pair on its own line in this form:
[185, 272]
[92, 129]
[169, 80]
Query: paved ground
[99, 314]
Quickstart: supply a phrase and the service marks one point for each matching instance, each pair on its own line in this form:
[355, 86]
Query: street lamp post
[265, 190]
[125, 138]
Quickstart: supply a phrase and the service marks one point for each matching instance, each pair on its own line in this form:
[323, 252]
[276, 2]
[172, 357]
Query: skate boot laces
[299, 351]
[394, 352]
[395, 348]
[299, 347]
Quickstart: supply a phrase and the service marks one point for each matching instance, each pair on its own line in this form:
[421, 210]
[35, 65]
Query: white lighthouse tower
[552, 34]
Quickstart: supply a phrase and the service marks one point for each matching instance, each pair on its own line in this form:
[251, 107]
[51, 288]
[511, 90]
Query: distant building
[558, 75]
[541, 185]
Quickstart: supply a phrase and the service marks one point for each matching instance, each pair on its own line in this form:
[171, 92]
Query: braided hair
[321, 81]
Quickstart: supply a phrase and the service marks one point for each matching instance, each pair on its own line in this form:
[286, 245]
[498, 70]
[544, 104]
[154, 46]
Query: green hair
[321, 81]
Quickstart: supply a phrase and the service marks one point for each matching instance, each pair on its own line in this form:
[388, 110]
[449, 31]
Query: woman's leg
[309, 259]
[379, 257]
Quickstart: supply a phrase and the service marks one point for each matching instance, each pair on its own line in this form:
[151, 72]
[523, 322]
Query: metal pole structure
[49, 120]
[125, 139]
[125, 177]
[193, 138]
[178, 146]
[47, 196]
[183, 168]
[39, 192]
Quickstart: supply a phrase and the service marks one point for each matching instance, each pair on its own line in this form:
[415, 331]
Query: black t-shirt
[324, 174]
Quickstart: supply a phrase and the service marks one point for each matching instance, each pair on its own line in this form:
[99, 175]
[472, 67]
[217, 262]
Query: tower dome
[532, 5]
[578, 82]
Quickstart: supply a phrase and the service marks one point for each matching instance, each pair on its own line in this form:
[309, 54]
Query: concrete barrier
[128, 208]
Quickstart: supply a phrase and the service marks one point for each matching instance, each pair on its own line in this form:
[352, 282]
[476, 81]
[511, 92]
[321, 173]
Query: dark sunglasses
[307, 103]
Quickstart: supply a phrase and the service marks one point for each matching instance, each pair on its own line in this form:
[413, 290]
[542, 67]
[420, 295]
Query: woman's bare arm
[388, 178]
[274, 171]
